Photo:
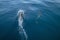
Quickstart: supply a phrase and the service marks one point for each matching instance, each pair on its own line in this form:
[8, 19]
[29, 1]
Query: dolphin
[20, 23]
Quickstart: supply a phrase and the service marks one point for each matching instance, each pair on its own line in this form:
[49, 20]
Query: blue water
[46, 27]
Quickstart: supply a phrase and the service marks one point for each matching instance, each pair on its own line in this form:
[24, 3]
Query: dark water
[46, 27]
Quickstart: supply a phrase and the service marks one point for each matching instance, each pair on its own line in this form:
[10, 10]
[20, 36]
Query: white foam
[20, 23]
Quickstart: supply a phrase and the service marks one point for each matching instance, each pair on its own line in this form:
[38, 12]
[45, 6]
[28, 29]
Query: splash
[20, 23]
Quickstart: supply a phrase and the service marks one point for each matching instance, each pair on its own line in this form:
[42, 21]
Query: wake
[20, 23]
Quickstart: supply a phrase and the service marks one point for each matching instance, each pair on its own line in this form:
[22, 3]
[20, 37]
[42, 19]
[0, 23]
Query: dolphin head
[20, 14]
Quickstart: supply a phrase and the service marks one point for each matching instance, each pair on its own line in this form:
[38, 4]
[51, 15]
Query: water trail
[20, 23]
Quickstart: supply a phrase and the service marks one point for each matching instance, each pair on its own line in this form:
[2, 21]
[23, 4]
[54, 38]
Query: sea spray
[20, 23]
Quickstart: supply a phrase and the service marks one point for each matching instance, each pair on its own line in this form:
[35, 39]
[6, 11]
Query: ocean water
[41, 19]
